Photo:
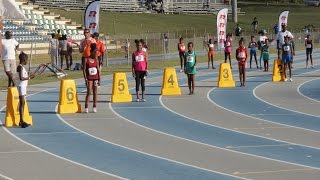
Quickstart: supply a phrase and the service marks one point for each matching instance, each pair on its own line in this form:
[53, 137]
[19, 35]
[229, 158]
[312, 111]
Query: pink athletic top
[228, 47]
[140, 61]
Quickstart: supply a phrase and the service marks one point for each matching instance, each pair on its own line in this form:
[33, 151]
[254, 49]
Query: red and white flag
[91, 16]
[222, 18]
[283, 19]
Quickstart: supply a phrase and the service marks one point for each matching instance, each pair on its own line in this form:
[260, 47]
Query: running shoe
[23, 124]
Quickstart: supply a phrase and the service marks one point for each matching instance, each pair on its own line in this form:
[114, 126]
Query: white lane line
[48, 133]
[298, 89]
[91, 118]
[60, 157]
[262, 128]
[258, 146]
[16, 152]
[5, 177]
[275, 171]
[137, 107]
[299, 112]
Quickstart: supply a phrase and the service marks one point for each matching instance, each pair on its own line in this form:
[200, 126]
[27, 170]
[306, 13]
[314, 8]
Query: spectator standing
[58, 35]
[9, 49]
[70, 49]
[63, 49]
[85, 45]
[281, 36]
[254, 24]
[53, 46]
[238, 30]
[276, 29]
[100, 47]
[166, 43]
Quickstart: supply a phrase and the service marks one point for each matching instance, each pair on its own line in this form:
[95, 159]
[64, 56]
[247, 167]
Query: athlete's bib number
[228, 44]
[241, 55]
[70, 94]
[183, 47]
[286, 48]
[211, 45]
[93, 71]
[308, 45]
[139, 58]
[190, 59]
[225, 73]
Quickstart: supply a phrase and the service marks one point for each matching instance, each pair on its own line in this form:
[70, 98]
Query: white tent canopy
[10, 10]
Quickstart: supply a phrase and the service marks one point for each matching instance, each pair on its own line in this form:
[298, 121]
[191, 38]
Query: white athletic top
[24, 75]
[9, 48]
[281, 35]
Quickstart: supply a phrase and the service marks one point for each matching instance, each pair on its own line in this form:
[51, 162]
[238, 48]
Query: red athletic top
[241, 55]
[92, 69]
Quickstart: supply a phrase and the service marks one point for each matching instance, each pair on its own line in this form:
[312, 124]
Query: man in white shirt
[9, 48]
[280, 38]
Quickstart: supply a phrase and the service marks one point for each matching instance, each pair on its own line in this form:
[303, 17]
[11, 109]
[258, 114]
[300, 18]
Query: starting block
[278, 71]
[120, 90]
[170, 85]
[68, 100]
[54, 69]
[12, 113]
[225, 76]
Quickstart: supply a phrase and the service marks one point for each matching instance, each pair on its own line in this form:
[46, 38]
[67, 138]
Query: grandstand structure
[39, 25]
[167, 6]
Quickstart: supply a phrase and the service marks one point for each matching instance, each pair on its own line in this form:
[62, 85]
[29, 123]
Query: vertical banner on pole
[283, 19]
[91, 16]
[222, 27]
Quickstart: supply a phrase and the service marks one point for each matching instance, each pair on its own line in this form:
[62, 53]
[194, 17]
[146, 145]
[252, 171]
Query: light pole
[234, 5]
